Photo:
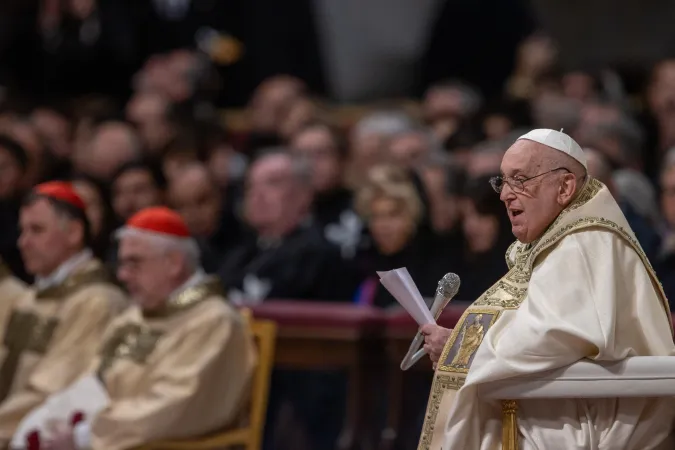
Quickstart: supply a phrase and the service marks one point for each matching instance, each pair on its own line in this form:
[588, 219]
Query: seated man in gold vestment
[578, 286]
[175, 365]
[55, 328]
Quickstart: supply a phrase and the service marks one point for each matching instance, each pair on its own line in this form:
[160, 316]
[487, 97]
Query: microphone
[447, 288]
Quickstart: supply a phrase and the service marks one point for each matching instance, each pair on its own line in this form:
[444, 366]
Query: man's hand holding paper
[401, 286]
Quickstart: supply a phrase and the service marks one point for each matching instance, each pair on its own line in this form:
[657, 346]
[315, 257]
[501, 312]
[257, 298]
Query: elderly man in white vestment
[578, 286]
[175, 365]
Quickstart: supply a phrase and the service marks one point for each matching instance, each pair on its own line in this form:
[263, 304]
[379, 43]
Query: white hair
[384, 123]
[186, 246]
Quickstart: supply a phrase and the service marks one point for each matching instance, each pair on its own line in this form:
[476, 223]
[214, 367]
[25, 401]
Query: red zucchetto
[60, 190]
[159, 219]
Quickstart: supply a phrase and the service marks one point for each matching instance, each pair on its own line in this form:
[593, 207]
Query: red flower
[33, 440]
[77, 418]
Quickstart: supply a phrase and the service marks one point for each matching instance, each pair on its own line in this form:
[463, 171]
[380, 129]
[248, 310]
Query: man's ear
[568, 188]
[75, 232]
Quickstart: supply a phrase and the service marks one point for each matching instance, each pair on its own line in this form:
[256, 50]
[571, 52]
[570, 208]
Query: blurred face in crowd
[480, 230]
[55, 128]
[442, 109]
[11, 175]
[444, 208]
[408, 149]
[94, 204]
[148, 111]
[668, 195]
[47, 238]
[197, 199]
[148, 270]
[535, 206]
[26, 135]
[320, 149]
[483, 162]
[579, 86]
[272, 101]
[275, 197]
[497, 126]
[300, 113]
[112, 146]
[134, 190]
[220, 163]
[391, 224]
[174, 163]
[661, 93]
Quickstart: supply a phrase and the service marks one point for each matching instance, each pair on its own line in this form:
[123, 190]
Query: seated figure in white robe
[579, 286]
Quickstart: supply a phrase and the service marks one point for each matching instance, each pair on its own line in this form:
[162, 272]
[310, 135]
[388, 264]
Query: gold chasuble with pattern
[11, 289]
[179, 373]
[584, 289]
[51, 337]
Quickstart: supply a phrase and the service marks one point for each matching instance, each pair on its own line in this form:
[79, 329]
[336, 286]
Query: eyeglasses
[517, 184]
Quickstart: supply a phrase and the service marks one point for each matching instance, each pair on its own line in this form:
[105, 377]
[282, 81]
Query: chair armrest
[638, 376]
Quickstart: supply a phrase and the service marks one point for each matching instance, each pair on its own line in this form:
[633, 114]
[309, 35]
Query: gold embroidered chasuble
[11, 289]
[178, 374]
[51, 337]
[505, 332]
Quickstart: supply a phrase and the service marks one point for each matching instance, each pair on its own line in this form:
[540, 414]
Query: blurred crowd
[292, 196]
[297, 202]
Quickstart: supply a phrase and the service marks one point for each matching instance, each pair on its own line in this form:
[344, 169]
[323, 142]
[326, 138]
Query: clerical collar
[64, 270]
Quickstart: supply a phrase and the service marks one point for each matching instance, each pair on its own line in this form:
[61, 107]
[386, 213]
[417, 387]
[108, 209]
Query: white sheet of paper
[401, 286]
[86, 395]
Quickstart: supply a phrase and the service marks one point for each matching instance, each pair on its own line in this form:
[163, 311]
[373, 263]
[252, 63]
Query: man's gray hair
[188, 247]
[472, 100]
[384, 123]
[627, 132]
[301, 167]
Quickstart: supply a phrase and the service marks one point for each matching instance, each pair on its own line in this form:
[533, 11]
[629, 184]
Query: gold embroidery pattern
[131, 341]
[94, 272]
[509, 261]
[26, 331]
[189, 297]
[441, 384]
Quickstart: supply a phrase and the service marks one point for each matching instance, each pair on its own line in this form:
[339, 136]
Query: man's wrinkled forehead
[132, 246]
[522, 157]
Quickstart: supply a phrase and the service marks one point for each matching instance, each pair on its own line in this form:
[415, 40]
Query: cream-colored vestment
[583, 290]
[52, 336]
[178, 374]
[11, 289]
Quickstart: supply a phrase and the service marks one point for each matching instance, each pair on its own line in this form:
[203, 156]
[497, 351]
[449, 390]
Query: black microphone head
[448, 286]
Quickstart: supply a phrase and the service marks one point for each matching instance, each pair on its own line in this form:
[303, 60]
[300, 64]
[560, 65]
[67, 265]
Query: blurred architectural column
[372, 49]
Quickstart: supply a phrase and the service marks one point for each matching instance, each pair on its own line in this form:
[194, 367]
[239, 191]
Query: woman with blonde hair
[391, 206]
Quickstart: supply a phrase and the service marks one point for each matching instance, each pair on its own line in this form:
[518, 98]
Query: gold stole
[594, 207]
[137, 340]
[31, 332]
